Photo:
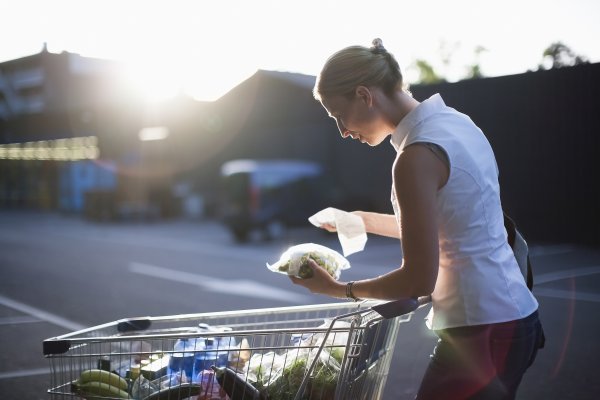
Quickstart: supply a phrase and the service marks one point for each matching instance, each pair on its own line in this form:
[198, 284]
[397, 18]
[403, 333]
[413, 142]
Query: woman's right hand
[333, 228]
[328, 227]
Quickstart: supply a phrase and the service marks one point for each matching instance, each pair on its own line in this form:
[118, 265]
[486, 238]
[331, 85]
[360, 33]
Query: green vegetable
[305, 271]
[324, 382]
[337, 353]
[321, 385]
[287, 384]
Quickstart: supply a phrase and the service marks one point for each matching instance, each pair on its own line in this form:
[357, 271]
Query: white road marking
[41, 314]
[562, 293]
[24, 373]
[242, 253]
[565, 274]
[236, 287]
[21, 319]
[567, 294]
[538, 251]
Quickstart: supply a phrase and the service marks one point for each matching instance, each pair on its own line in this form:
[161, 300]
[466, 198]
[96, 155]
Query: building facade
[73, 138]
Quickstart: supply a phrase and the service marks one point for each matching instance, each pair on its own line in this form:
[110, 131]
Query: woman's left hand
[320, 282]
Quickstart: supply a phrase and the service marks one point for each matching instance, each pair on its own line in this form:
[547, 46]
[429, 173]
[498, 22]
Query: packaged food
[294, 261]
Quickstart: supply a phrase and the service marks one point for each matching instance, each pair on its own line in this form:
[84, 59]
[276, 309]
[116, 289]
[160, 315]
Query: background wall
[544, 128]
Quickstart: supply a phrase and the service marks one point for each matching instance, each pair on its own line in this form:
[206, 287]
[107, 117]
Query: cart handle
[387, 310]
[399, 307]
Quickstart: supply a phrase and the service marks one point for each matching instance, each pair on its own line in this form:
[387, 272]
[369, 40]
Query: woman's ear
[365, 95]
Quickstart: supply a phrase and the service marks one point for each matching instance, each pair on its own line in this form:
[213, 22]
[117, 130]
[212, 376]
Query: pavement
[61, 273]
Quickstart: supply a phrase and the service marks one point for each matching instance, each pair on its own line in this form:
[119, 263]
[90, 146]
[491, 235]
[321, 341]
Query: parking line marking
[236, 287]
[24, 373]
[567, 294]
[565, 274]
[22, 319]
[41, 314]
[552, 250]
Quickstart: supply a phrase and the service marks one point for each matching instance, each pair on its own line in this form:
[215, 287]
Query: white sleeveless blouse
[479, 280]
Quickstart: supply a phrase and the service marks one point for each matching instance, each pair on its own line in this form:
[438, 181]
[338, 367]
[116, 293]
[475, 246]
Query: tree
[559, 55]
[474, 70]
[427, 74]
[447, 51]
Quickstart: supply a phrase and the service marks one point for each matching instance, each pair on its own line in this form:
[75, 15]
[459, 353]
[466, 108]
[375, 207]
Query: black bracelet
[349, 293]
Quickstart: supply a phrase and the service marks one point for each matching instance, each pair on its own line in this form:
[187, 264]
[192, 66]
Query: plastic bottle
[182, 359]
[205, 356]
[225, 346]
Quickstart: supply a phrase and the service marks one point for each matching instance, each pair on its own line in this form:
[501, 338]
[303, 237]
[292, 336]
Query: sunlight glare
[152, 79]
[162, 78]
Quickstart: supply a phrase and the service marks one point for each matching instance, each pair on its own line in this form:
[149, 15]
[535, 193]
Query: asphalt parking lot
[60, 274]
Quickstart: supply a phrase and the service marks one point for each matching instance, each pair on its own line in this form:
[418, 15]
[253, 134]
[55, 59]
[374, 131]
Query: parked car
[270, 195]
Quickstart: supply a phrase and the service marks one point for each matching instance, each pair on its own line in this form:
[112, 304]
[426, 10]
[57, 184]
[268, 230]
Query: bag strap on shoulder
[520, 248]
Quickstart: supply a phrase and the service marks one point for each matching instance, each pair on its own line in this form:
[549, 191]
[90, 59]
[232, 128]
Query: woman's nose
[343, 131]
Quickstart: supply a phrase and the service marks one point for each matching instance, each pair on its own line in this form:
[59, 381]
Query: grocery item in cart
[239, 356]
[214, 350]
[97, 382]
[236, 385]
[283, 352]
[156, 367]
[211, 390]
[142, 388]
[186, 391]
[294, 261]
[204, 387]
[182, 359]
[280, 377]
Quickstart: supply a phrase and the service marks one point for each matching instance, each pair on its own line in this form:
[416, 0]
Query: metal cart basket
[325, 351]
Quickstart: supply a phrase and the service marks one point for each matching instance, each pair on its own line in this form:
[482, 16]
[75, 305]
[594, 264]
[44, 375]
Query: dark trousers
[482, 362]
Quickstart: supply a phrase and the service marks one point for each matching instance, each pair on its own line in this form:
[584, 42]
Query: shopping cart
[325, 351]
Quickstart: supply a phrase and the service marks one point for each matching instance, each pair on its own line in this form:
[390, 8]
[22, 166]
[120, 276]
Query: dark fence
[544, 127]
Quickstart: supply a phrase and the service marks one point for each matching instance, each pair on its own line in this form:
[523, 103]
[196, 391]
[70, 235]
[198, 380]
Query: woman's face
[357, 117]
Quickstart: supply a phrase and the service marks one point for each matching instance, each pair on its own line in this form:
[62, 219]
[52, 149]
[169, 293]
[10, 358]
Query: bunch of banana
[97, 383]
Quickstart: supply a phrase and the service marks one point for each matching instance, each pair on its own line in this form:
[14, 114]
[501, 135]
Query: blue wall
[77, 177]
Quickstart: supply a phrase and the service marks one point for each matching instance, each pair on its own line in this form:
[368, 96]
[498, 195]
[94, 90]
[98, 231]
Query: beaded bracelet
[349, 293]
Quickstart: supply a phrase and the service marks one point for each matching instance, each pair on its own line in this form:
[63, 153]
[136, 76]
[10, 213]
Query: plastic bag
[278, 376]
[286, 377]
[335, 342]
[142, 388]
[294, 261]
[239, 357]
[262, 367]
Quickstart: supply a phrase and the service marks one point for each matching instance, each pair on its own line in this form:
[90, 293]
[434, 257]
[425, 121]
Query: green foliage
[287, 385]
[559, 55]
[321, 385]
[474, 70]
[427, 74]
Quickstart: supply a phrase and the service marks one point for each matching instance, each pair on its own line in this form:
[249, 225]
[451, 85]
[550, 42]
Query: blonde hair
[355, 66]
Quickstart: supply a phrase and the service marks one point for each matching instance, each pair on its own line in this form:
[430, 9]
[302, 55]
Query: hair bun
[378, 44]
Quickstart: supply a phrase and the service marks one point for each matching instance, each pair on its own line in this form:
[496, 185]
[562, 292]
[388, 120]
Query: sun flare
[157, 80]
[152, 79]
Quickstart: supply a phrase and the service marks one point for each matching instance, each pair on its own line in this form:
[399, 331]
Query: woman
[449, 217]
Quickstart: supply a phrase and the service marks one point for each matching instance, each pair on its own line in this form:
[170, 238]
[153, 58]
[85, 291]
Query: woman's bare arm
[418, 175]
[375, 223]
[380, 224]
